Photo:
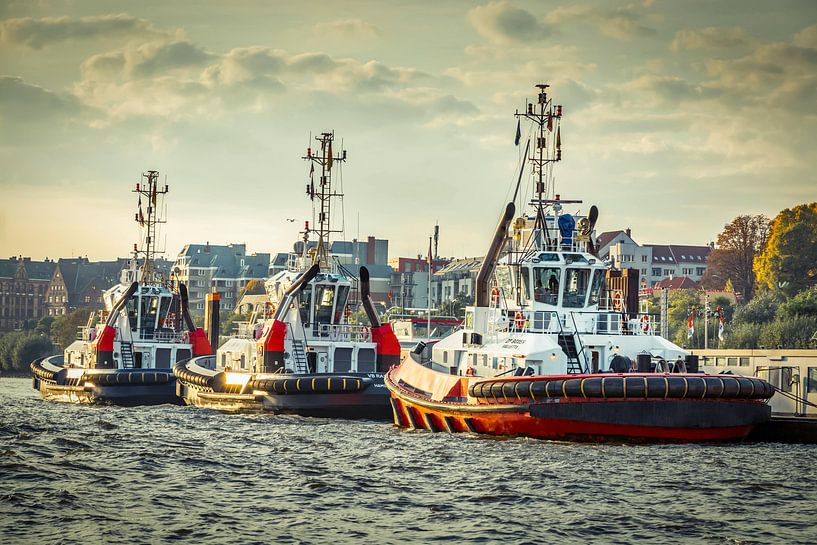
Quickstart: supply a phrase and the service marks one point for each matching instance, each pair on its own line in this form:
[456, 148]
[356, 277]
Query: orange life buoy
[519, 319]
[494, 296]
[645, 323]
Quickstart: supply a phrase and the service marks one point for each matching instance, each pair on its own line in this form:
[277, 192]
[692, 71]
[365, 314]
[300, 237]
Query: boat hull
[127, 387]
[583, 419]
[325, 395]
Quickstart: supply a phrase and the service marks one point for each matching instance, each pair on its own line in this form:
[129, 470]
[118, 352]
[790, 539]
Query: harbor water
[90, 474]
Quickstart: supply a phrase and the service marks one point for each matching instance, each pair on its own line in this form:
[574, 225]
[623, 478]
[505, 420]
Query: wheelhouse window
[343, 294]
[596, 287]
[149, 310]
[304, 303]
[324, 303]
[546, 285]
[575, 291]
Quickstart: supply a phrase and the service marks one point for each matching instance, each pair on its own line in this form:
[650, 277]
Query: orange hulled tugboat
[556, 346]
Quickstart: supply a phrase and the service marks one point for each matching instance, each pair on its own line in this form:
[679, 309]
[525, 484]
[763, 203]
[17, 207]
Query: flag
[140, 218]
[550, 122]
[558, 137]
[518, 132]
[720, 326]
[690, 327]
[329, 158]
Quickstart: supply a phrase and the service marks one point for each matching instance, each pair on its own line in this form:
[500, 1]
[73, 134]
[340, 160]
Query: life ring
[617, 301]
[494, 296]
[645, 323]
[519, 319]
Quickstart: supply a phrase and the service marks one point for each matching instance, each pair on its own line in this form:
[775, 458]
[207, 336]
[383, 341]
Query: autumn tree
[789, 259]
[253, 287]
[732, 261]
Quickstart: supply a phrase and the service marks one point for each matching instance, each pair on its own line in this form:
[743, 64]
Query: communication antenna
[149, 218]
[323, 194]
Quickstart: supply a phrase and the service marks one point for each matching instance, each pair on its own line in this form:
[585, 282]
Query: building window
[667, 272]
[811, 385]
[643, 259]
[656, 272]
[743, 362]
[700, 271]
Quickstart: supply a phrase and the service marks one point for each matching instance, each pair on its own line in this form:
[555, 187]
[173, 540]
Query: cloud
[671, 88]
[177, 79]
[346, 28]
[500, 22]
[21, 100]
[710, 38]
[38, 33]
[807, 37]
[624, 26]
[33, 114]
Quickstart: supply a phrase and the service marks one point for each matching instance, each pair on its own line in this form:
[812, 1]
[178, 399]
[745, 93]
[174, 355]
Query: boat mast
[324, 193]
[547, 150]
[150, 221]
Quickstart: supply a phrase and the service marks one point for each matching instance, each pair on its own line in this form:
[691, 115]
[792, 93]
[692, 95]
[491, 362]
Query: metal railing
[582, 322]
[345, 332]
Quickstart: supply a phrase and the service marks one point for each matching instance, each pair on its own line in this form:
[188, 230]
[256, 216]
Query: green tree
[31, 347]
[64, 328]
[802, 304]
[789, 260]
[680, 302]
[742, 335]
[760, 310]
[19, 348]
[732, 260]
[789, 332]
[229, 322]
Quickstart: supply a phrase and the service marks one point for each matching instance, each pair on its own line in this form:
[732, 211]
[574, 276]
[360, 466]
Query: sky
[678, 116]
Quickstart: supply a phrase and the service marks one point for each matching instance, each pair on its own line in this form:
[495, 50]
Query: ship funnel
[593, 216]
[366, 298]
[489, 263]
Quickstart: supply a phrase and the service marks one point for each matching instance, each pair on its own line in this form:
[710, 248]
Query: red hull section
[425, 399]
[522, 424]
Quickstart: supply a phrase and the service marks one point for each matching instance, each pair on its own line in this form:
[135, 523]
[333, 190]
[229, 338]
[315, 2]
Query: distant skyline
[679, 116]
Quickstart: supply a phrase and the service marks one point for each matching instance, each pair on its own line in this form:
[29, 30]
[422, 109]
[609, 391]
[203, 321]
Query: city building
[79, 283]
[23, 287]
[409, 280]
[655, 262]
[227, 269]
[456, 279]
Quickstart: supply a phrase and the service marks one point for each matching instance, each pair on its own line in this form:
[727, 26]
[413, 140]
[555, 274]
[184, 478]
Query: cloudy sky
[678, 115]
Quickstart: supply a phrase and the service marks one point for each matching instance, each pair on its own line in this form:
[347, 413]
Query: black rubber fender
[310, 385]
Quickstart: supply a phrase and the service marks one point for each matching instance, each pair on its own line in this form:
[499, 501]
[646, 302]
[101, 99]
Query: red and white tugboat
[298, 354]
[555, 346]
[126, 353]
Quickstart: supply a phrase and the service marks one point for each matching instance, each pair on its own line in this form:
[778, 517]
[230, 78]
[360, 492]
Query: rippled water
[83, 474]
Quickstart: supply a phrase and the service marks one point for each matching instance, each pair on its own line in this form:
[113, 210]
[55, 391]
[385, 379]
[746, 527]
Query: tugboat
[126, 352]
[556, 346]
[298, 354]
